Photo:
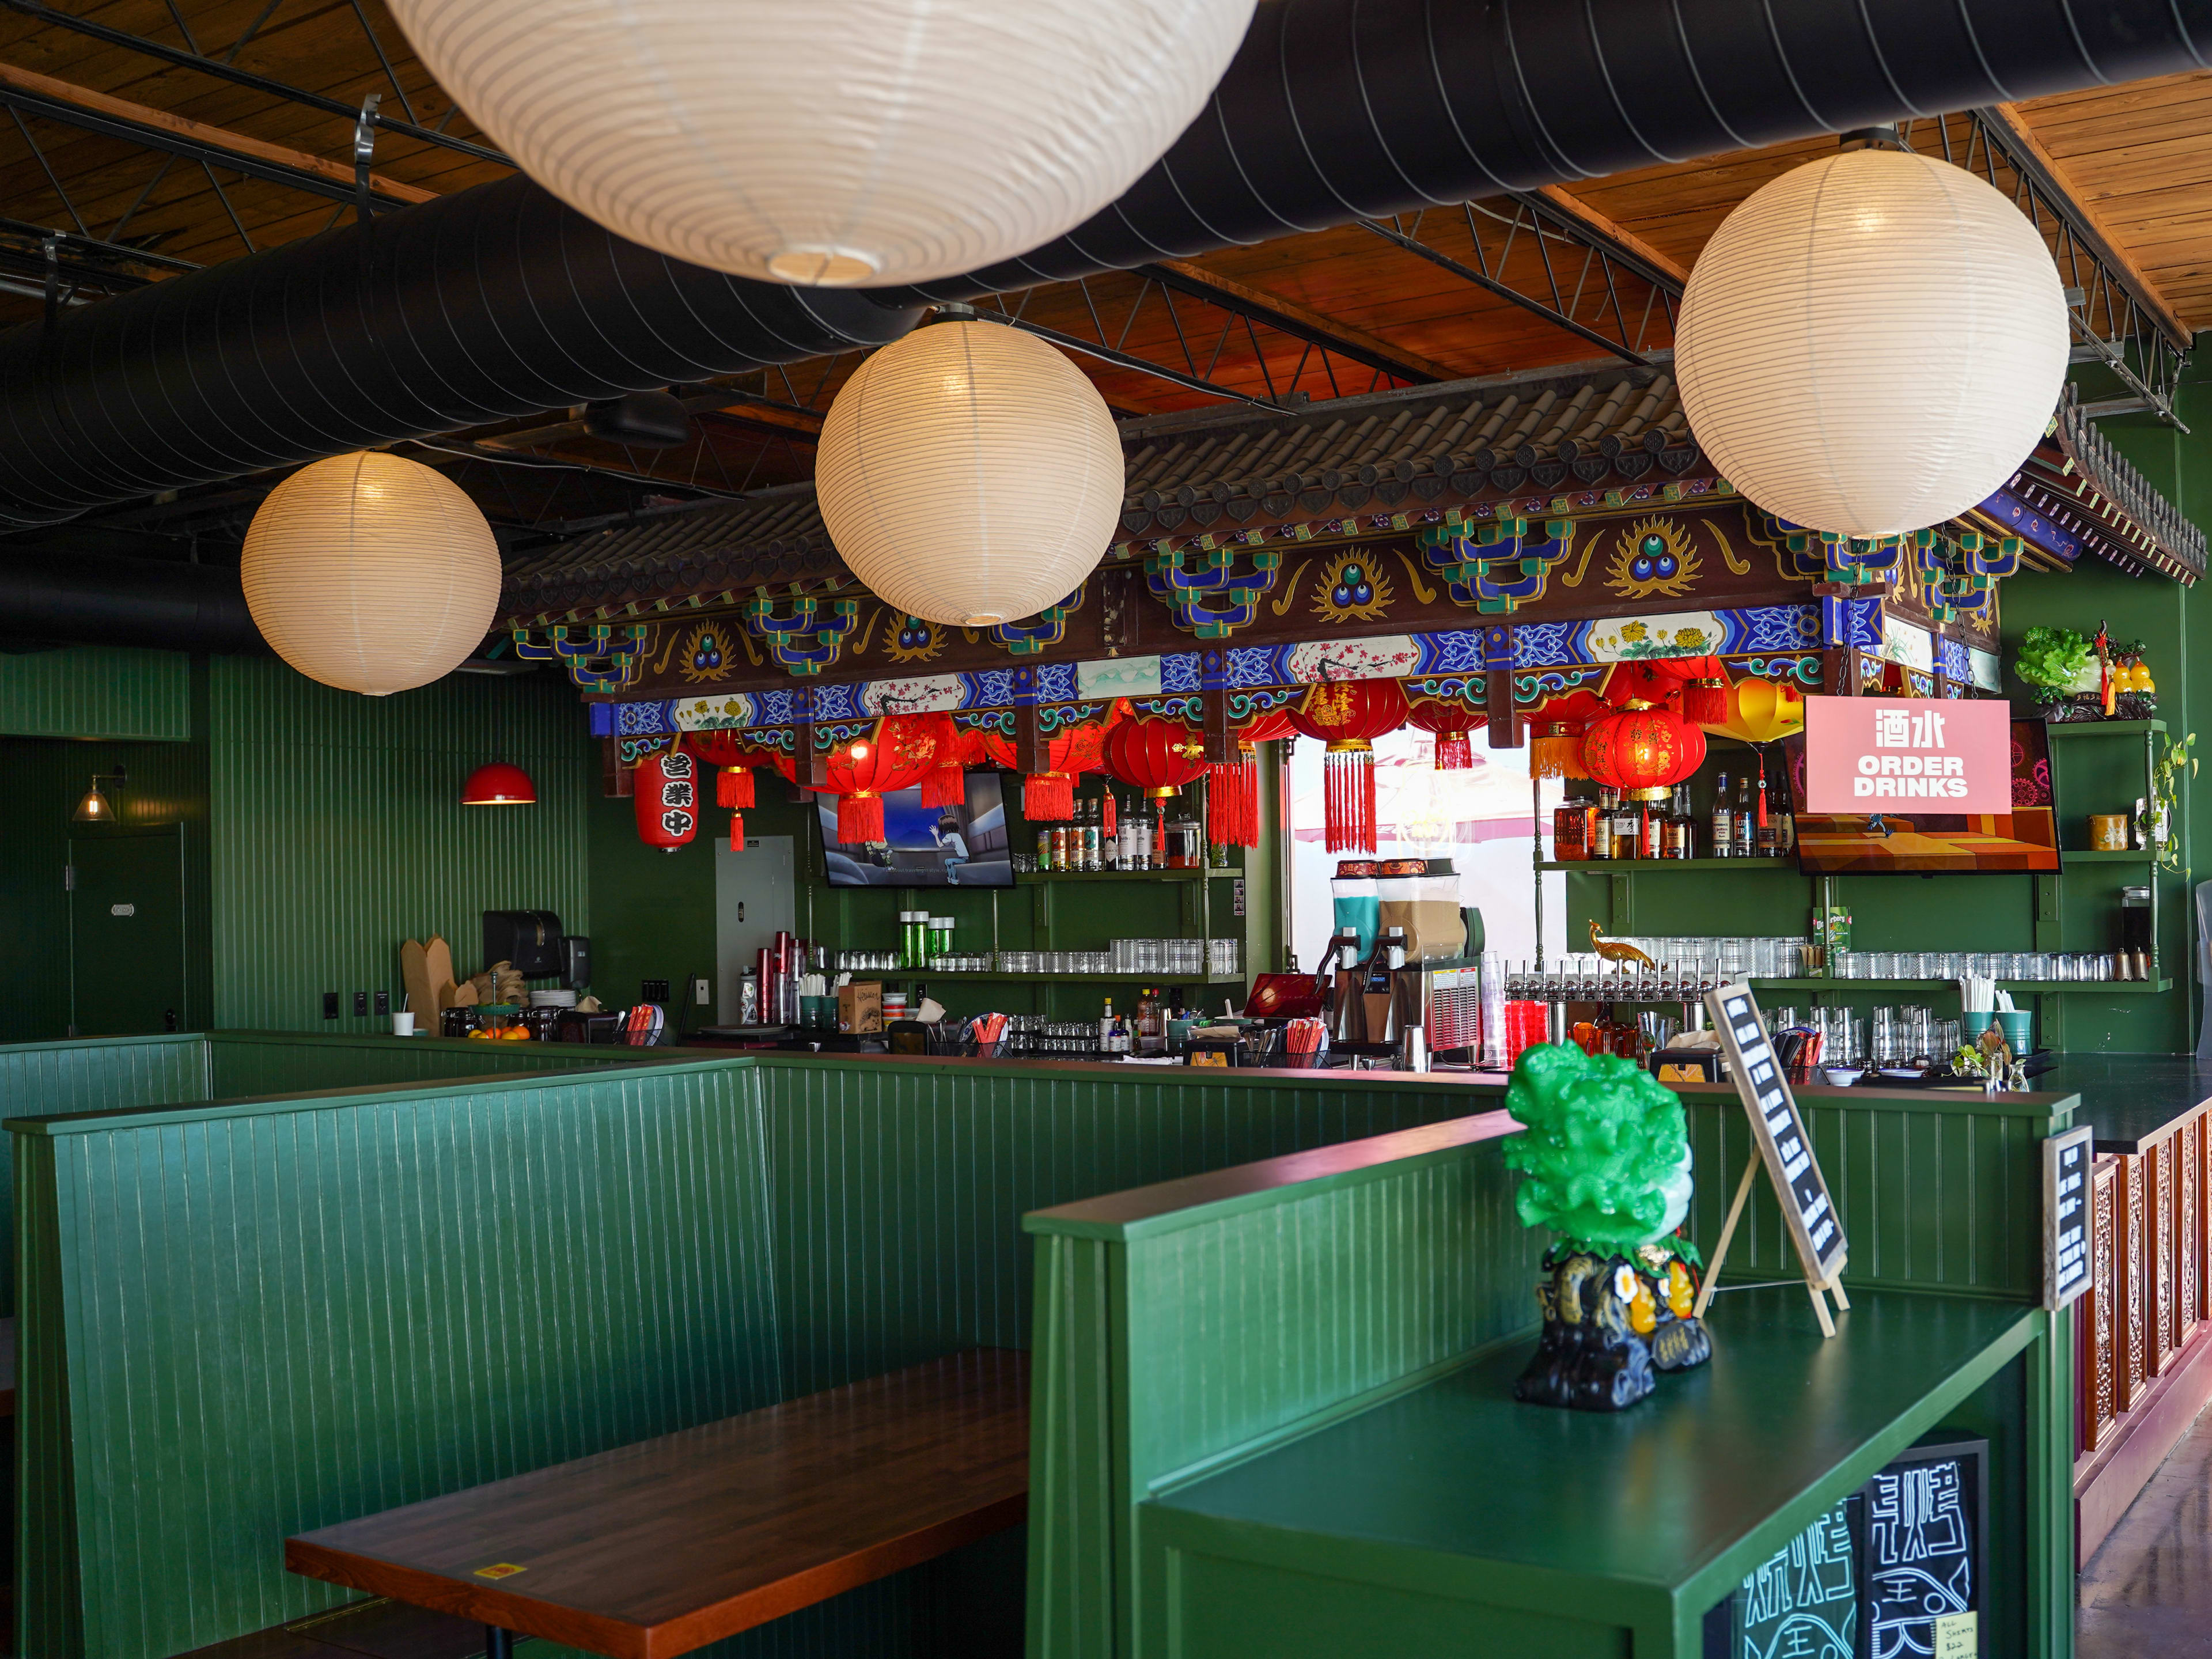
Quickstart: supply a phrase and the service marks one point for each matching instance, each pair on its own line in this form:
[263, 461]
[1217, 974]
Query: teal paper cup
[2015, 1024]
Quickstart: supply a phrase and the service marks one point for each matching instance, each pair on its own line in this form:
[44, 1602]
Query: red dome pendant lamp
[499, 784]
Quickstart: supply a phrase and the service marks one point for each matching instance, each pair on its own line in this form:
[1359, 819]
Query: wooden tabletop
[657, 1548]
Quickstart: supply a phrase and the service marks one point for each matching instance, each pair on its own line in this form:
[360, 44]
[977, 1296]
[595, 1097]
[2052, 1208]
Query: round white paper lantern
[1872, 343]
[832, 142]
[970, 474]
[371, 573]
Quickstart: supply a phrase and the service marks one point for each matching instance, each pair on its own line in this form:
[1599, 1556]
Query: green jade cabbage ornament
[1604, 1155]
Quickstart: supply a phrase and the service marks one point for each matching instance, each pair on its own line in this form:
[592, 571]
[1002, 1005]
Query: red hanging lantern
[1704, 683]
[1643, 751]
[1048, 796]
[734, 783]
[896, 754]
[1348, 715]
[1555, 732]
[946, 782]
[1232, 787]
[1158, 756]
[1450, 721]
[665, 798]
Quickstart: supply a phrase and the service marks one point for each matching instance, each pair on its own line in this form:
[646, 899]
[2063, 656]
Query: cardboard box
[861, 1007]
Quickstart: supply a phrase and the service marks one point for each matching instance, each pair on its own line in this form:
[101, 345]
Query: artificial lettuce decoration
[2052, 659]
[1606, 1154]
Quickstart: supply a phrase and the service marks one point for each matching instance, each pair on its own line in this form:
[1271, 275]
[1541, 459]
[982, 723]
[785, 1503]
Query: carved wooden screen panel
[2100, 1381]
[2188, 1230]
[2163, 1227]
[2131, 1259]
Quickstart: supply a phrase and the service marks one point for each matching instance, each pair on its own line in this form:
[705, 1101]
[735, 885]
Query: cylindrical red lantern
[1643, 751]
[1705, 687]
[734, 783]
[1450, 721]
[665, 798]
[946, 782]
[1158, 756]
[1348, 715]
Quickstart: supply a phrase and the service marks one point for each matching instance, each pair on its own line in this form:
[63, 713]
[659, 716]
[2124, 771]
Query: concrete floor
[2147, 1591]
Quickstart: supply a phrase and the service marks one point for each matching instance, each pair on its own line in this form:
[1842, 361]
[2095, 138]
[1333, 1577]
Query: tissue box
[861, 1007]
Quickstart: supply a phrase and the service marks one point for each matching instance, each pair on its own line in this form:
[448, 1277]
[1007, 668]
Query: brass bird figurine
[1611, 950]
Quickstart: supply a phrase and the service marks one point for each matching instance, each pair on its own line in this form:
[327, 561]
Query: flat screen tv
[1906, 839]
[962, 846]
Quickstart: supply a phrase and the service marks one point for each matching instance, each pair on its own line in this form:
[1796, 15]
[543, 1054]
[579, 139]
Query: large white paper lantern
[1872, 343]
[970, 474]
[371, 573]
[834, 141]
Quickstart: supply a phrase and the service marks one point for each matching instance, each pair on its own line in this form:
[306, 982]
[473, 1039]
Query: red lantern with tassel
[1705, 687]
[734, 783]
[1450, 721]
[1158, 756]
[1232, 787]
[946, 781]
[1643, 751]
[1048, 796]
[665, 798]
[897, 755]
[1347, 715]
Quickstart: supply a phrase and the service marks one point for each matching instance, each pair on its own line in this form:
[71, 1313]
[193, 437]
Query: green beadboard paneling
[96, 691]
[1072, 1567]
[900, 1190]
[243, 1064]
[278, 1317]
[49, 1601]
[41, 780]
[338, 831]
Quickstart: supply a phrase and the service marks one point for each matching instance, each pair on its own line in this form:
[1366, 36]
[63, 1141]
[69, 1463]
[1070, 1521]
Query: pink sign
[1900, 754]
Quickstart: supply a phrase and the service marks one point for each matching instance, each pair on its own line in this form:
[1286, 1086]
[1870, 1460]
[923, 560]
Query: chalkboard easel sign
[2066, 1216]
[1780, 1142]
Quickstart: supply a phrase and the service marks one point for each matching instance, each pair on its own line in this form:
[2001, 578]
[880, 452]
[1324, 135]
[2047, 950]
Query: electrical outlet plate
[361, 1005]
[383, 1004]
[330, 1005]
[699, 992]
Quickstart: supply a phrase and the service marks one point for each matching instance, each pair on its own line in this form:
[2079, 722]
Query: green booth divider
[241, 1319]
[1266, 1360]
[49, 1079]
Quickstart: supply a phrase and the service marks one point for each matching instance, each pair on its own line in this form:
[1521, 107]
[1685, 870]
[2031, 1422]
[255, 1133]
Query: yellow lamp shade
[371, 573]
[970, 474]
[1872, 343]
[1761, 711]
[832, 142]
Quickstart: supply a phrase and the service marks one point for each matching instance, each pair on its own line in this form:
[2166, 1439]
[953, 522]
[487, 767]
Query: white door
[754, 900]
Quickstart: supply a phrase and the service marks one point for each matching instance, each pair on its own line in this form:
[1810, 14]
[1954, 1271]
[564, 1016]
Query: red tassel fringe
[1705, 703]
[1232, 802]
[733, 787]
[860, 819]
[1110, 822]
[944, 786]
[1348, 778]
[1047, 797]
[737, 832]
[1454, 753]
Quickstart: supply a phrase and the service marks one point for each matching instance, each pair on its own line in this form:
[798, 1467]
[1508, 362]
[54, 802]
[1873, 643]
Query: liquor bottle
[1626, 835]
[1724, 823]
[1601, 824]
[1151, 1023]
[1688, 818]
[1571, 832]
[1768, 831]
[1670, 832]
[1786, 817]
[1651, 830]
[1093, 857]
[1747, 828]
[1106, 1029]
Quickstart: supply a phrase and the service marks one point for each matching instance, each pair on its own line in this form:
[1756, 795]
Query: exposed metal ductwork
[499, 302]
[62, 597]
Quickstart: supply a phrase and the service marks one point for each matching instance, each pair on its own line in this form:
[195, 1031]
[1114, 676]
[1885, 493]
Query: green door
[126, 934]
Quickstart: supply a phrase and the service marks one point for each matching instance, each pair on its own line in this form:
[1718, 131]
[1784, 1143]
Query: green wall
[338, 830]
[96, 692]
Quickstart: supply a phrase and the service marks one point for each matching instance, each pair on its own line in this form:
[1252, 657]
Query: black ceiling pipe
[499, 302]
[53, 598]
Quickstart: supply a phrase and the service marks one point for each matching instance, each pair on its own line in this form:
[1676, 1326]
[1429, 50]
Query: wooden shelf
[1670, 866]
[2107, 858]
[907, 976]
[2034, 986]
[1027, 877]
[2104, 728]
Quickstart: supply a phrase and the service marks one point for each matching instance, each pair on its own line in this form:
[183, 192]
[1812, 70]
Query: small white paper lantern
[832, 142]
[970, 474]
[1872, 343]
[371, 573]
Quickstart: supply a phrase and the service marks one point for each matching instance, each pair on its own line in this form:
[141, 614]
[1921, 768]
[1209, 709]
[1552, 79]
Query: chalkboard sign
[1923, 1565]
[2066, 1216]
[1786, 1149]
[1802, 1602]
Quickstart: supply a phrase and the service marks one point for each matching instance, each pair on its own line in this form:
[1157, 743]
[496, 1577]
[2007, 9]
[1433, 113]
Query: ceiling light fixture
[499, 784]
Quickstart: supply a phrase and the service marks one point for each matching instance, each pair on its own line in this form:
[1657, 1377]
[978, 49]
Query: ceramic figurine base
[1609, 1327]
